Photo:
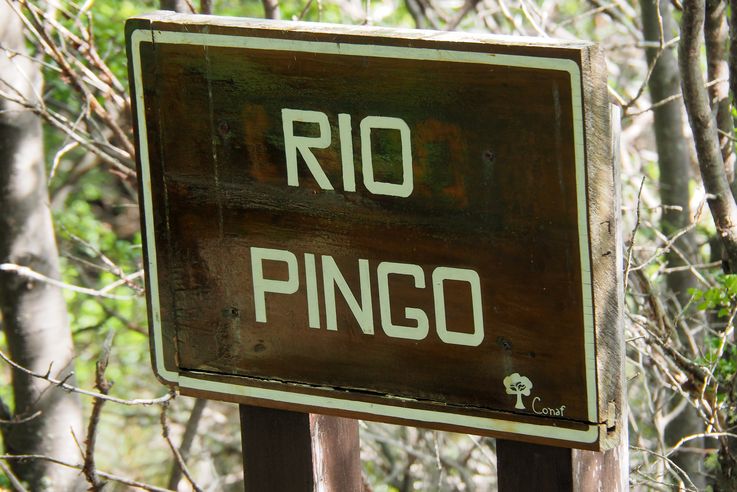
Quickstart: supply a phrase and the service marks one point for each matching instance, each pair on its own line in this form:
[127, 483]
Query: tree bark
[175, 5]
[672, 146]
[34, 313]
[711, 164]
[716, 36]
[271, 9]
[721, 201]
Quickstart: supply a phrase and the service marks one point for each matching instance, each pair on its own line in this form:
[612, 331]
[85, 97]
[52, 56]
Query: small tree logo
[518, 385]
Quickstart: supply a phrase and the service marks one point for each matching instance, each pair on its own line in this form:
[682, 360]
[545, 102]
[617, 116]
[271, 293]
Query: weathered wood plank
[285, 450]
[410, 271]
[336, 453]
[277, 450]
[524, 467]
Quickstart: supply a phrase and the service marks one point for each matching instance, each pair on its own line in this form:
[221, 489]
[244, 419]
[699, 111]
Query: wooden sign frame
[597, 217]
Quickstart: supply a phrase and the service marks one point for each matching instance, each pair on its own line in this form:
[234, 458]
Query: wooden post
[528, 193]
[299, 452]
[523, 467]
[336, 453]
[277, 450]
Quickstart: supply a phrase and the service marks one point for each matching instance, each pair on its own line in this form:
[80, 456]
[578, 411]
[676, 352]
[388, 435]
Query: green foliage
[5, 482]
[718, 355]
[721, 298]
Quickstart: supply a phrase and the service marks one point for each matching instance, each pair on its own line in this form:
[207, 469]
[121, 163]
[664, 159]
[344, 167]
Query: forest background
[71, 286]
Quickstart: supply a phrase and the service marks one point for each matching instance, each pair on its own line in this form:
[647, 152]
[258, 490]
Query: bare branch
[32, 275]
[109, 476]
[190, 432]
[670, 464]
[628, 263]
[20, 419]
[468, 6]
[177, 455]
[14, 482]
[68, 387]
[103, 386]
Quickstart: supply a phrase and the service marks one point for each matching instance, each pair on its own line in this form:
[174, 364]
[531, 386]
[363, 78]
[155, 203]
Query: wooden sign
[406, 226]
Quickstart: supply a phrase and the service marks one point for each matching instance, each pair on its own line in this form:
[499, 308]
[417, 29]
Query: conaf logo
[518, 385]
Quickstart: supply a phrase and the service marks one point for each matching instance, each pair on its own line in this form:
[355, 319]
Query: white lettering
[360, 304]
[403, 189]
[439, 275]
[346, 152]
[262, 285]
[313, 307]
[331, 277]
[534, 401]
[553, 412]
[294, 143]
[417, 332]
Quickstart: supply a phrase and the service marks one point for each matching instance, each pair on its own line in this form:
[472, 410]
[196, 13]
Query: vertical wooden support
[610, 470]
[602, 472]
[298, 452]
[336, 452]
[277, 450]
[523, 467]
[532, 467]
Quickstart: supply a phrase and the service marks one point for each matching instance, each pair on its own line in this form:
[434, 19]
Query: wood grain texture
[293, 451]
[336, 453]
[494, 191]
[523, 467]
[277, 450]
[606, 243]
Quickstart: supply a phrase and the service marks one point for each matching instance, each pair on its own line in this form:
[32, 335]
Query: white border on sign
[589, 435]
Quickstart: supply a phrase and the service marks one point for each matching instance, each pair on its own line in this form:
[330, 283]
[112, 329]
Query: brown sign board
[406, 226]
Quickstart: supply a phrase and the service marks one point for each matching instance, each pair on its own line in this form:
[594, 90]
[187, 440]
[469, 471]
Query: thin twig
[468, 6]
[177, 455]
[14, 481]
[304, 10]
[668, 99]
[109, 476]
[21, 420]
[628, 264]
[670, 463]
[190, 431]
[73, 389]
[686, 439]
[103, 386]
[31, 274]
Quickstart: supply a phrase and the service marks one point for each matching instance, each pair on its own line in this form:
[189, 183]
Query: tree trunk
[675, 174]
[672, 146]
[721, 201]
[703, 124]
[716, 38]
[175, 5]
[34, 313]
